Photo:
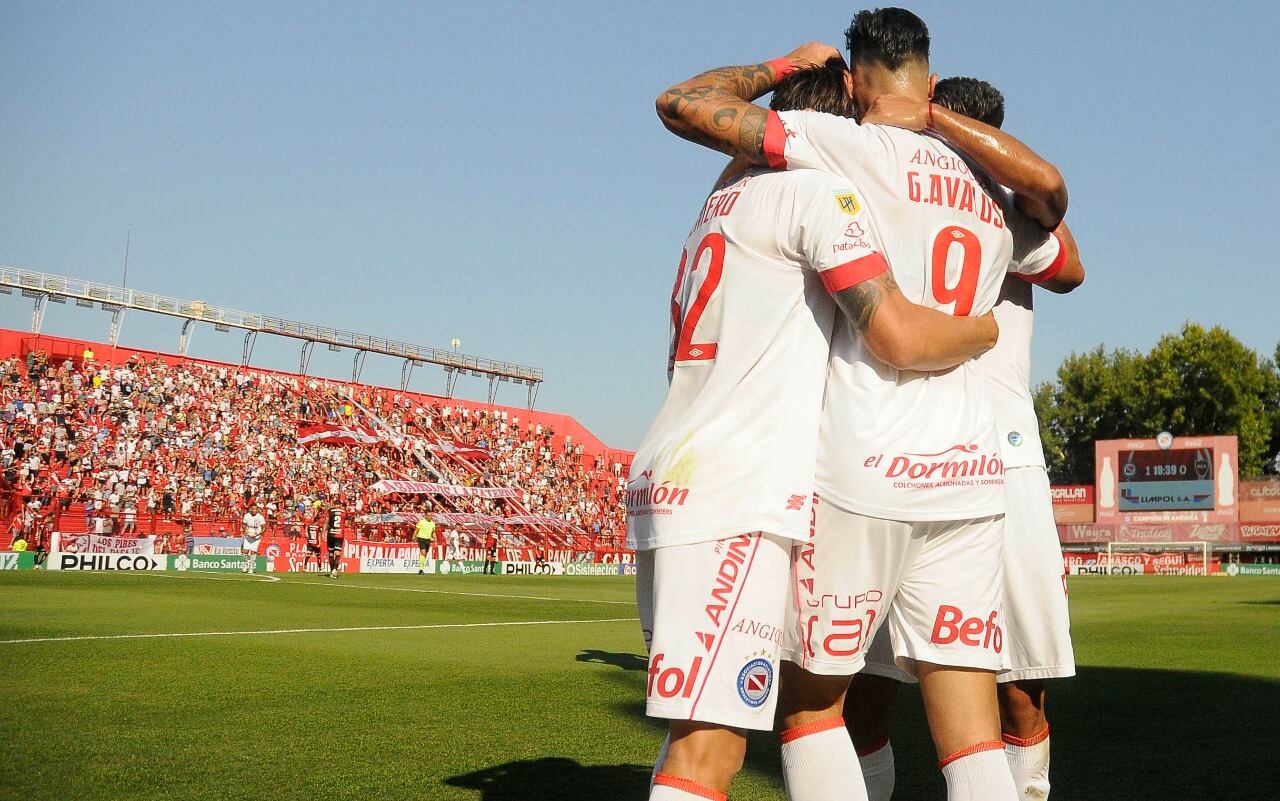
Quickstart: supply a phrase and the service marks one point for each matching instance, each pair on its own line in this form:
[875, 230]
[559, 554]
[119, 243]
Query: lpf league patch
[848, 203]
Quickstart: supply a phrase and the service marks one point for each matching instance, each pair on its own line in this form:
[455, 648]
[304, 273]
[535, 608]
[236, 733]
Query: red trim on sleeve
[689, 786]
[775, 141]
[782, 67]
[852, 273]
[812, 727]
[1053, 269]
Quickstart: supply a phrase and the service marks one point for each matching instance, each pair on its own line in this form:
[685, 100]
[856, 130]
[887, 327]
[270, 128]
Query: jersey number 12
[683, 348]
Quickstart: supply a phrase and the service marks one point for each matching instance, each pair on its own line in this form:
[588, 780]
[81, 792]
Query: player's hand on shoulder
[899, 112]
[813, 54]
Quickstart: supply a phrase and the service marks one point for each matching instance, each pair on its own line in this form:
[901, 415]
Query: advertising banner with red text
[1072, 503]
[1260, 501]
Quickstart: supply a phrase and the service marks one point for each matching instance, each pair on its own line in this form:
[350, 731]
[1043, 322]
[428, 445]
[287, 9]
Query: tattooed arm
[1040, 191]
[715, 108]
[910, 337]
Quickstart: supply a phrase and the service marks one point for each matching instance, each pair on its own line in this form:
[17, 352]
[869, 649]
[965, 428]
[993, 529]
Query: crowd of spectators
[97, 447]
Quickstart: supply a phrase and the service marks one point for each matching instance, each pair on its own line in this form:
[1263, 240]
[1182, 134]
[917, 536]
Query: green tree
[1199, 382]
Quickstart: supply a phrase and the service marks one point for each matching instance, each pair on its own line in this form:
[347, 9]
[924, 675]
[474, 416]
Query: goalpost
[1190, 548]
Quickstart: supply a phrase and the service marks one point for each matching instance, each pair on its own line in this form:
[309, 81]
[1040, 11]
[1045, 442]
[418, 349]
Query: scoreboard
[1180, 479]
[1166, 479]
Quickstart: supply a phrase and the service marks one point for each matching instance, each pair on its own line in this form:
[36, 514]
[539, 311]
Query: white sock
[878, 772]
[979, 773]
[1029, 761]
[819, 763]
[674, 788]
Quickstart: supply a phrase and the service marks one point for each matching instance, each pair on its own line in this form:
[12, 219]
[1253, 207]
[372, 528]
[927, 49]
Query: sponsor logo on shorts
[754, 682]
[952, 626]
[727, 576]
[672, 682]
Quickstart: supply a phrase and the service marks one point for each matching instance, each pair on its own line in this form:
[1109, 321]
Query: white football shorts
[712, 615]
[251, 546]
[937, 585]
[1037, 622]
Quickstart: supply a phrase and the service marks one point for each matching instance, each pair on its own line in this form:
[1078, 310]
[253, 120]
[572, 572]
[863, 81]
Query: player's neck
[910, 82]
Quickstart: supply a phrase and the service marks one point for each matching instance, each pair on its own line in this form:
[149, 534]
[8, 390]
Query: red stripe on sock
[876, 746]
[1034, 739]
[976, 748]
[689, 786]
[812, 727]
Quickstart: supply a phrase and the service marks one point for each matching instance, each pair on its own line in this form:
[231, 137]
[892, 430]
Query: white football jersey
[733, 447]
[1007, 369]
[907, 445]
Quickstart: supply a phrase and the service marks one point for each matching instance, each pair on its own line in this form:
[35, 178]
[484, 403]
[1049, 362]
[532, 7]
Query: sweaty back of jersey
[733, 447]
[902, 444]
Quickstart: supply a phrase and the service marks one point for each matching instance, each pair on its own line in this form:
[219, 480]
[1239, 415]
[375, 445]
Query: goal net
[1158, 558]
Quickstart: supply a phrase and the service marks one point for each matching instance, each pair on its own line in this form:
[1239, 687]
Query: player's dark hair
[972, 98]
[890, 37]
[818, 89]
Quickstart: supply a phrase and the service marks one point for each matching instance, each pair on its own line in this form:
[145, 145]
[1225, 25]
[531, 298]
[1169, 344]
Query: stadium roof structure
[43, 288]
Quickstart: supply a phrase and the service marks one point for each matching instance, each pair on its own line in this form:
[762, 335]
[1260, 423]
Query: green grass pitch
[433, 692]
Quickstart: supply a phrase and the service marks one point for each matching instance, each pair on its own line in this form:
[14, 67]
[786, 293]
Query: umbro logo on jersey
[796, 503]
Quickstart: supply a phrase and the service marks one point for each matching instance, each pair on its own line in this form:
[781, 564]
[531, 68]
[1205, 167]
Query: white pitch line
[315, 631]
[456, 592]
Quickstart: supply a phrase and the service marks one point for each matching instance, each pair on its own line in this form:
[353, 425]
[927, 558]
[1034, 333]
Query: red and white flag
[325, 434]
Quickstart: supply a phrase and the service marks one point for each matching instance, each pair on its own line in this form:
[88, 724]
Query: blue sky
[495, 172]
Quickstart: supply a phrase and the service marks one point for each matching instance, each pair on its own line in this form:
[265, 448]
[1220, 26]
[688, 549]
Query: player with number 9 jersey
[733, 446]
[904, 445]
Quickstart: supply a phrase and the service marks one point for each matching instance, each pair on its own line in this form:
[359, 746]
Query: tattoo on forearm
[714, 109]
[860, 302]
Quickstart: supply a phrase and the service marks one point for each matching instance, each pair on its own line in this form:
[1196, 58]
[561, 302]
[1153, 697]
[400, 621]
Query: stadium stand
[130, 442]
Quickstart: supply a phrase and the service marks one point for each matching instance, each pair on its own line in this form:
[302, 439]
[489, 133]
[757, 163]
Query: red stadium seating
[167, 445]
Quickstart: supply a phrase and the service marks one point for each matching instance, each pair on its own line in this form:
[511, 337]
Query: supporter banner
[95, 543]
[531, 569]
[429, 488]
[214, 545]
[465, 519]
[395, 564]
[1251, 570]
[1260, 501]
[105, 561]
[392, 517]
[458, 449]
[326, 434]
[17, 560]
[465, 567]
[218, 562]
